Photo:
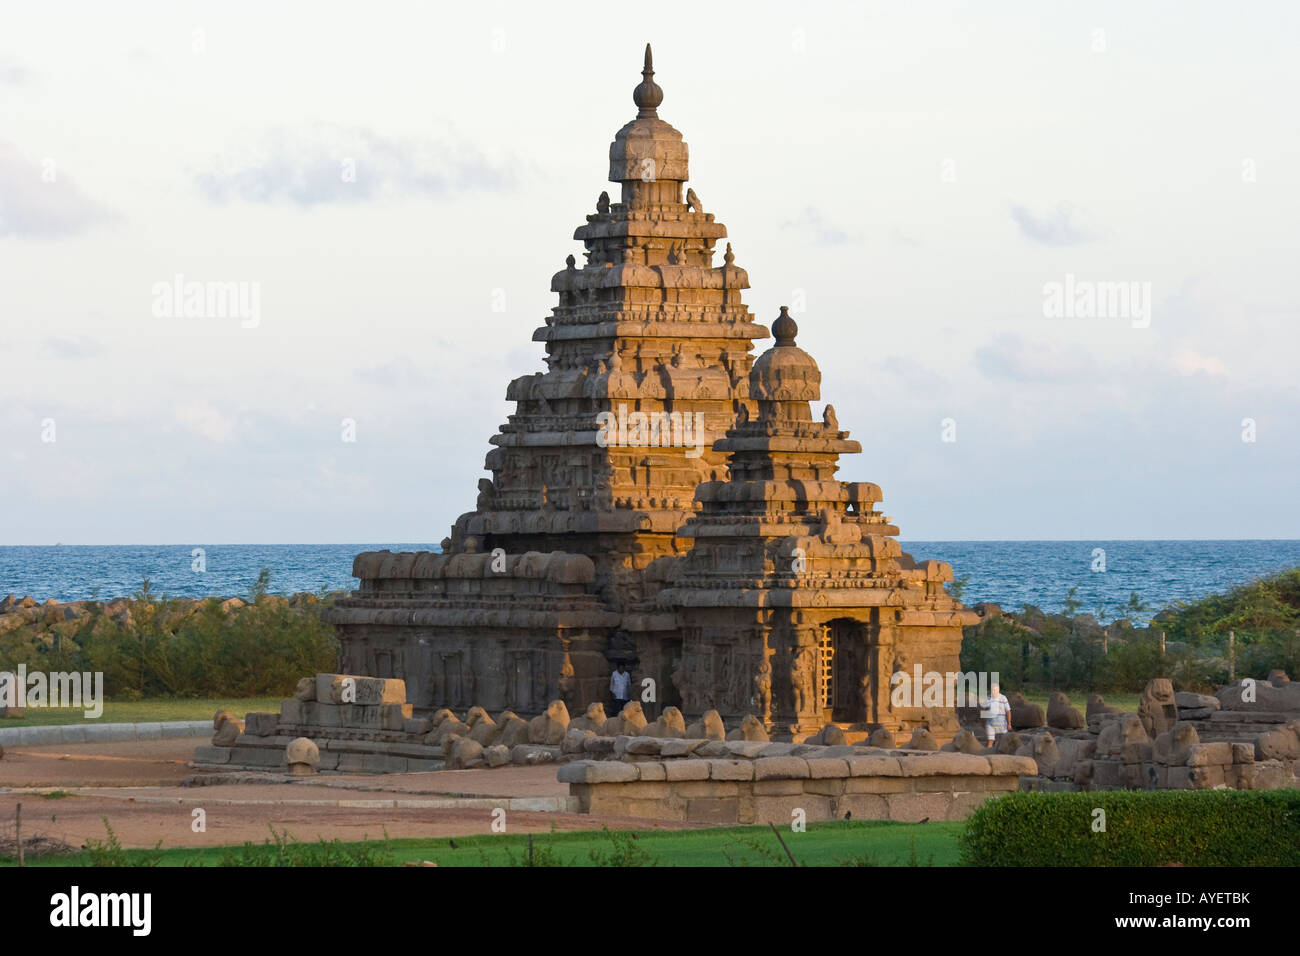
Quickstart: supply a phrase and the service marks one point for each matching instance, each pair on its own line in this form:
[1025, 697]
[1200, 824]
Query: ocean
[1009, 573]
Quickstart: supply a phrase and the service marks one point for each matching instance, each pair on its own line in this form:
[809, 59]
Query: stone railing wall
[907, 786]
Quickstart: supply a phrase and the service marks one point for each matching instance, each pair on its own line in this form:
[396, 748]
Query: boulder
[1280, 744]
[1061, 715]
[832, 736]
[1278, 678]
[306, 689]
[1186, 700]
[573, 739]
[921, 739]
[220, 717]
[965, 743]
[1266, 697]
[752, 729]
[1156, 707]
[513, 732]
[1008, 744]
[303, 756]
[496, 755]
[228, 732]
[594, 718]
[1024, 715]
[485, 730]
[883, 738]
[462, 754]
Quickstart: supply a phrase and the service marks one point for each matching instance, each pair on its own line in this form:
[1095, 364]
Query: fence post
[18, 833]
[1232, 656]
[1162, 643]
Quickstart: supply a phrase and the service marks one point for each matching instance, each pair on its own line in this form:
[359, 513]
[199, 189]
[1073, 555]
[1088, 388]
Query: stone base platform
[907, 786]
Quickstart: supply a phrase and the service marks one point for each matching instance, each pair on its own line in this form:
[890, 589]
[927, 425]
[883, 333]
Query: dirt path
[136, 785]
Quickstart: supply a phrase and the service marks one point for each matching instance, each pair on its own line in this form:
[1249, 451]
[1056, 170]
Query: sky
[396, 183]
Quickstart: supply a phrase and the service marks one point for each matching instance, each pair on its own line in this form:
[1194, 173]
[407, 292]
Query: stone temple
[663, 497]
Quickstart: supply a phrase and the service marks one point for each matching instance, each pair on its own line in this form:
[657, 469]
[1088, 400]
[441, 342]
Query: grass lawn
[841, 843]
[1079, 699]
[147, 711]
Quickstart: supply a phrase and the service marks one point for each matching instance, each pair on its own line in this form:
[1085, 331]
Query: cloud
[1057, 228]
[326, 163]
[399, 373]
[72, 347]
[13, 73]
[1010, 357]
[826, 233]
[203, 418]
[1189, 363]
[42, 202]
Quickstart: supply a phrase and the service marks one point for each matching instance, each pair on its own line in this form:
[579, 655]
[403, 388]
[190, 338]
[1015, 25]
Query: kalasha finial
[785, 328]
[647, 96]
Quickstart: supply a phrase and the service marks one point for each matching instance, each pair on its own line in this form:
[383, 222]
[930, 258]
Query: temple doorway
[843, 660]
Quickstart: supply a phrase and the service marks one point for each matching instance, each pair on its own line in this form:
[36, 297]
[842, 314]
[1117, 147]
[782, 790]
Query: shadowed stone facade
[662, 497]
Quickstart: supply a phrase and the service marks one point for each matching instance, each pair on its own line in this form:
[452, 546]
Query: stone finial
[785, 328]
[647, 96]
[728, 257]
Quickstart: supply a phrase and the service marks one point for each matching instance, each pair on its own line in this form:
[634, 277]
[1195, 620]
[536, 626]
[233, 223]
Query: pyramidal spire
[647, 96]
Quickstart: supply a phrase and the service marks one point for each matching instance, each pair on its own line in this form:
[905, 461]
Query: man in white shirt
[620, 688]
[996, 714]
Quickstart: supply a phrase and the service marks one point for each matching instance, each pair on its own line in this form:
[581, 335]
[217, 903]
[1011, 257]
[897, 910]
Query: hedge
[1142, 828]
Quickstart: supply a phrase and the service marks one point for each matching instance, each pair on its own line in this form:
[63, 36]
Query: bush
[1142, 828]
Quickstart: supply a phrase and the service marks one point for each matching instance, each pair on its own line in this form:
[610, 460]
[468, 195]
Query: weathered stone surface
[529, 754]
[690, 769]
[1156, 707]
[302, 755]
[1024, 715]
[550, 727]
[485, 730]
[574, 740]
[882, 738]
[678, 748]
[965, 742]
[460, 753]
[357, 689]
[767, 768]
[921, 739]
[261, 725]
[306, 689]
[594, 719]
[514, 731]
[731, 769]
[874, 766]
[1061, 715]
[1281, 744]
[1186, 700]
[228, 732]
[940, 764]
[498, 755]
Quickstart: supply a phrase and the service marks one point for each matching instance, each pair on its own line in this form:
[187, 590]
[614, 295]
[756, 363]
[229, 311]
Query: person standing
[996, 714]
[620, 688]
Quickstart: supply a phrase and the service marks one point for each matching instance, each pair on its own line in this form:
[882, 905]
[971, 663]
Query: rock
[451, 727]
[439, 716]
[1135, 745]
[496, 755]
[1280, 744]
[220, 717]
[1172, 747]
[228, 732]
[1186, 700]
[1024, 715]
[1008, 744]
[530, 755]
[514, 732]
[1061, 715]
[475, 715]
[302, 755]
[1156, 708]
[1278, 678]
[833, 735]
[485, 730]
[713, 727]
[465, 753]
[965, 742]
[306, 689]
[672, 723]
[573, 740]
[1267, 697]
[921, 739]
[752, 729]
[594, 718]
[233, 604]
[882, 738]
[695, 730]
[550, 727]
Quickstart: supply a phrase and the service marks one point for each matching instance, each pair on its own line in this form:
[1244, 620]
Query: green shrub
[1142, 828]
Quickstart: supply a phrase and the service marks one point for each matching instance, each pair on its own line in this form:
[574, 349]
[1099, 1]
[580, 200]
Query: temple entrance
[843, 660]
